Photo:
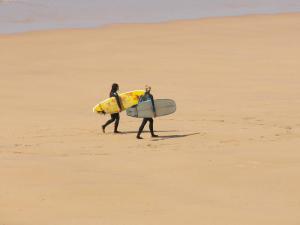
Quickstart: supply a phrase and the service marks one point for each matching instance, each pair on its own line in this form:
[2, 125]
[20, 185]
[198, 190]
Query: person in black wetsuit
[147, 96]
[115, 117]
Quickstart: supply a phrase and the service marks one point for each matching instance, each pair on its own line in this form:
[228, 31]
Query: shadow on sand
[165, 137]
[156, 131]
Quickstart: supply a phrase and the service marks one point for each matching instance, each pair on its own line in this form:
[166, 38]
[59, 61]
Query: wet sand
[229, 155]
[35, 15]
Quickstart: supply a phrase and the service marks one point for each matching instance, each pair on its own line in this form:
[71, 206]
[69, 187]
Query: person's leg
[117, 123]
[113, 118]
[151, 128]
[145, 120]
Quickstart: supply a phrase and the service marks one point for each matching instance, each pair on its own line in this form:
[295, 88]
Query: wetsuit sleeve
[153, 105]
[118, 100]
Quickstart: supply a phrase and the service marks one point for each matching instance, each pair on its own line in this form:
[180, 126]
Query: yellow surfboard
[128, 99]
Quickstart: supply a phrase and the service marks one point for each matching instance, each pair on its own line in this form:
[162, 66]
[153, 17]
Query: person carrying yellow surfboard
[146, 97]
[115, 117]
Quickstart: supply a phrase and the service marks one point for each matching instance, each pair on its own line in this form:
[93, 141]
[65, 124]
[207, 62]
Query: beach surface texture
[228, 156]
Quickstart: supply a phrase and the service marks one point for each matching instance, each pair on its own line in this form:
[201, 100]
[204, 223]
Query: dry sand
[229, 155]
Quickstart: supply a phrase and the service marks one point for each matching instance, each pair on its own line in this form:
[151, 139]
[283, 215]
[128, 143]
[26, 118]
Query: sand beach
[229, 155]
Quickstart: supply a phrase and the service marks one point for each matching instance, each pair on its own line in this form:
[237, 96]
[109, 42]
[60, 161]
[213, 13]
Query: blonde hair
[147, 87]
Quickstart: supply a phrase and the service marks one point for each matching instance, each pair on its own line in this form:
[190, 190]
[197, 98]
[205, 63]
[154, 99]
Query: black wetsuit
[147, 97]
[115, 116]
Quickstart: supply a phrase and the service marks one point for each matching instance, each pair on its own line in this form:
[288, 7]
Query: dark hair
[114, 87]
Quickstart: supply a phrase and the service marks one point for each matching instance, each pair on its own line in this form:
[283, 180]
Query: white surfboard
[144, 109]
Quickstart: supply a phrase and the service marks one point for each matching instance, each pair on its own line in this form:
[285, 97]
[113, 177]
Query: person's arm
[118, 101]
[153, 105]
